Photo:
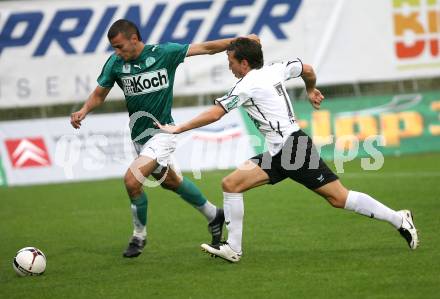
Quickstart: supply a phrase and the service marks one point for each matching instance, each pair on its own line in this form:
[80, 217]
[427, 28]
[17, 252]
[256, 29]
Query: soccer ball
[29, 261]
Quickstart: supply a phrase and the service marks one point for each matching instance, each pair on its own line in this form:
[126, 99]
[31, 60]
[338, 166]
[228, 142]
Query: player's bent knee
[170, 184]
[230, 186]
[336, 202]
[167, 186]
[133, 187]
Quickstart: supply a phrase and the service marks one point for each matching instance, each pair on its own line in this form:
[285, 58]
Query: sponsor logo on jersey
[232, 103]
[28, 152]
[126, 68]
[145, 82]
[149, 61]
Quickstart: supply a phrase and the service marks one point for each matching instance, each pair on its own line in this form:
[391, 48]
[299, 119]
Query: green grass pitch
[295, 244]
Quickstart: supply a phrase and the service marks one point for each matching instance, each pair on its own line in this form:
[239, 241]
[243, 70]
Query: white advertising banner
[50, 150]
[52, 51]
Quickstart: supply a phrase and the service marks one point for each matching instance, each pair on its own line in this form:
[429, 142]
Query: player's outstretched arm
[309, 77]
[207, 117]
[96, 98]
[215, 46]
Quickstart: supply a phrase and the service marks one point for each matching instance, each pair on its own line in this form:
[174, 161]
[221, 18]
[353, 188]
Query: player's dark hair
[126, 27]
[245, 48]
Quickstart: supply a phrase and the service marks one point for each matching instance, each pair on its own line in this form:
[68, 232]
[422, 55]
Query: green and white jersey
[262, 93]
[147, 83]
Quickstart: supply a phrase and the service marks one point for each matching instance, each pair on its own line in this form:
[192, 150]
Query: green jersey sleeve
[175, 52]
[107, 77]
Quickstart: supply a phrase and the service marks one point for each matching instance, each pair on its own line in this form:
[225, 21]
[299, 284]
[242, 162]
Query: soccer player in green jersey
[145, 73]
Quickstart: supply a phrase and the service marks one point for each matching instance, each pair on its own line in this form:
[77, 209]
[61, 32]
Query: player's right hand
[170, 129]
[76, 118]
[315, 98]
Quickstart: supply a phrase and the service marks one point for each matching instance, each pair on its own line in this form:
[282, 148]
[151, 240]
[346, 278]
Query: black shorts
[298, 160]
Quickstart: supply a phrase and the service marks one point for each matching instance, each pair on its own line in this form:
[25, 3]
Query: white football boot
[222, 250]
[408, 230]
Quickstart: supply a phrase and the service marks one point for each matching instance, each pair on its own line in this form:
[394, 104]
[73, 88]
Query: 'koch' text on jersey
[147, 83]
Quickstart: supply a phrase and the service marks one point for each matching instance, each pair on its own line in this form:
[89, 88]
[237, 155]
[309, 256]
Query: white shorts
[160, 147]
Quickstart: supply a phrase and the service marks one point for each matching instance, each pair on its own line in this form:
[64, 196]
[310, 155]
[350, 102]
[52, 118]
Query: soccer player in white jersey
[291, 154]
[146, 73]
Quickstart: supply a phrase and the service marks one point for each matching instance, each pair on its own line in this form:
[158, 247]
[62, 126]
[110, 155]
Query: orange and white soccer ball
[29, 261]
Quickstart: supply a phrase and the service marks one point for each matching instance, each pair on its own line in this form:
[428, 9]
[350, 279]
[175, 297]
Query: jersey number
[280, 90]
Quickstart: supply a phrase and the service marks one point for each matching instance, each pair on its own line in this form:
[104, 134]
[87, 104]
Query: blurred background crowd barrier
[377, 62]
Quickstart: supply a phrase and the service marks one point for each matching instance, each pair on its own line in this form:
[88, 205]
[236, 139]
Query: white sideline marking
[390, 175]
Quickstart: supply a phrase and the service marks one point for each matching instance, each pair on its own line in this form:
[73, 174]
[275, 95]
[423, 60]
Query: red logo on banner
[27, 152]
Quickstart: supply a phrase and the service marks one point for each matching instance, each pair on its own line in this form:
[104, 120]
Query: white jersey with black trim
[262, 93]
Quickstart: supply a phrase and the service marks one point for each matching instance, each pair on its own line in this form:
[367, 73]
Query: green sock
[190, 193]
[139, 206]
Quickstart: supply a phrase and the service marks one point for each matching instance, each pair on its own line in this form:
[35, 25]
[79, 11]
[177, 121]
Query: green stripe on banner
[406, 123]
[3, 180]
[258, 142]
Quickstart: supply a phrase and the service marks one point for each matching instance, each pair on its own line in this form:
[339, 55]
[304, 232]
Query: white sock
[364, 204]
[234, 211]
[139, 230]
[141, 234]
[208, 210]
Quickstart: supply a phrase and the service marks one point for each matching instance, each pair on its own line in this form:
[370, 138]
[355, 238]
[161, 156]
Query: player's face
[237, 68]
[124, 47]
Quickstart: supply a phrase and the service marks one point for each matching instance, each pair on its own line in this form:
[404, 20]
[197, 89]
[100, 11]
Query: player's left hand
[315, 98]
[170, 129]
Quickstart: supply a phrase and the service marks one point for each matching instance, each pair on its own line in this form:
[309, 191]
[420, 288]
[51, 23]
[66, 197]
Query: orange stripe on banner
[435, 105]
